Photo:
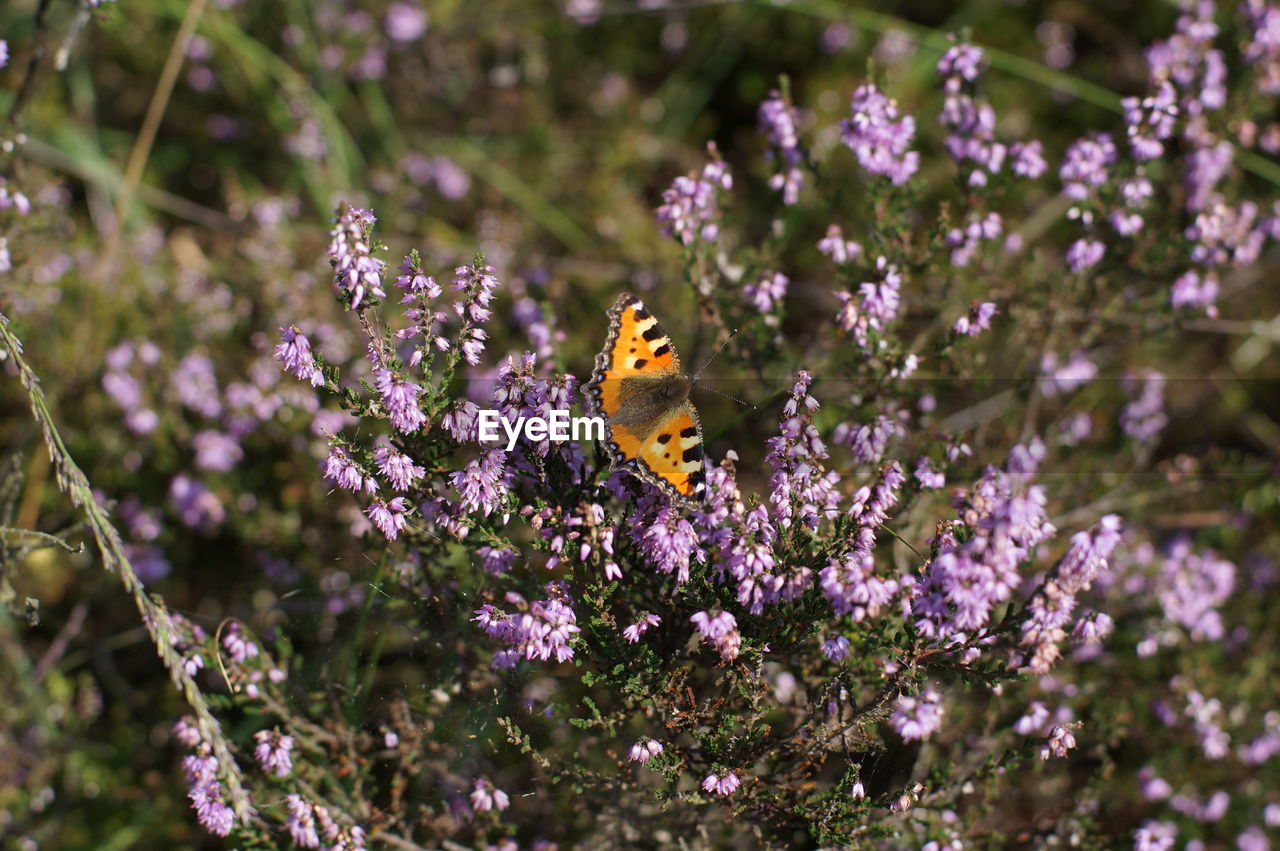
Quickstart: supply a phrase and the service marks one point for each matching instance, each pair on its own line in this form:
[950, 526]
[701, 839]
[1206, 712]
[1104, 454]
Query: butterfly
[651, 427]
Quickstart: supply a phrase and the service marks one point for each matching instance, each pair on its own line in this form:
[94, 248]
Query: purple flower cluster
[778, 121]
[1144, 418]
[965, 241]
[977, 320]
[690, 209]
[766, 295]
[542, 629]
[917, 717]
[875, 306]
[645, 750]
[848, 581]
[721, 784]
[632, 633]
[356, 272]
[800, 488]
[971, 124]
[486, 797]
[839, 249]
[1004, 520]
[1051, 607]
[721, 631]
[204, 788]
[879, 136]
[310, 824]
[273, 752]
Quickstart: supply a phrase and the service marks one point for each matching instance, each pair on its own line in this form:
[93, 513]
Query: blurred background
[540, 133]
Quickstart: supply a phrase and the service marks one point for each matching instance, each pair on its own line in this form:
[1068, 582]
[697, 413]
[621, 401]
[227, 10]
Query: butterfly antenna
[714, 355]
[727, 396]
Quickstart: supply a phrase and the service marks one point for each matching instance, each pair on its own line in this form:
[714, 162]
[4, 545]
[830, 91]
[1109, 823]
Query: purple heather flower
[294, 354]
[965, 241]
[1151, 121]
[800, 488]
[196, 386]
[1028, 159]
[273, 752]
[345, 473]
[853, 589]
[768, 293]
[1155, 836]
[927, 476]
[690, 208]
[547, 630]
[388, 516]
[400, 396]
[670, 544]
[477, 283]
[1092, 628]
[643, 751]
[1253, 838]
[778, 121]
[462, 421]
[356, 272]
[1059, 742]
[405, 22]
[879, 136]
[197, 506]
[416, 284]
[4, 53]
[1085, 254]
[1190, 587]
[186, 731]
[836, 649]
[721, 631]
[839, 249]
[238, 647]
[1084, 167]
[485, 797]
[397, 468]
[214, 815]
[632, 633]
[301, 822]
[496, 561]
[1262, 50]
[216, 451]
[978, 319]
[721, 785]
[1143, 418]
[917, 718]
[1034, 721]
[479, 483]
[1089, 555]
[961, 63]
[1193, 290]
[1063, 378]
[875, 306]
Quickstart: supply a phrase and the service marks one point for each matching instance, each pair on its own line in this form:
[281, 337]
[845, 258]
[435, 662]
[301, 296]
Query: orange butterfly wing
[671, 456]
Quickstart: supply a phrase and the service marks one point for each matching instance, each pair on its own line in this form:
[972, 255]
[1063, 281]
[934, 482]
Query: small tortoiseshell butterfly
[651, 427]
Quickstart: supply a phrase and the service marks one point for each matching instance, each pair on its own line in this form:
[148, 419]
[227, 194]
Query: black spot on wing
[664, 439]
[691, 431]
[693, 453]
[640, 362]
[651, 333]
[662, 350]
[641, 313]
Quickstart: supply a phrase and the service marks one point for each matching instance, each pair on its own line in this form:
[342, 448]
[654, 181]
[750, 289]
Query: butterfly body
[651, 427]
